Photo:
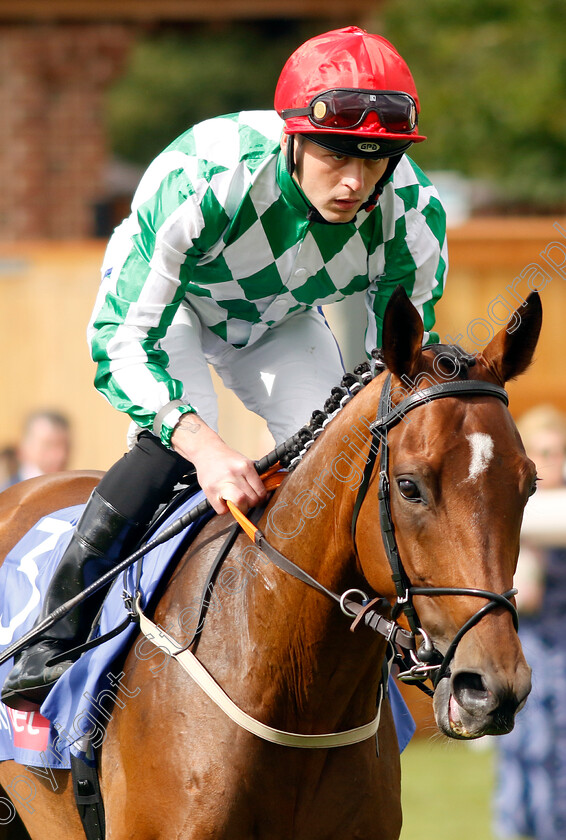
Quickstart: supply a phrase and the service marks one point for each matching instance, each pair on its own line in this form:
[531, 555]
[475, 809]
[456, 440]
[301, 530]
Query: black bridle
[427, 662]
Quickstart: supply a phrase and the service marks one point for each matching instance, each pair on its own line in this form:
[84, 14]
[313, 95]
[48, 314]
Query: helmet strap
[313, 215]
[290, 154]
[374, 197]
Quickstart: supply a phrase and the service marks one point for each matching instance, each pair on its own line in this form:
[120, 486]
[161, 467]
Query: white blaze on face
[482, 453]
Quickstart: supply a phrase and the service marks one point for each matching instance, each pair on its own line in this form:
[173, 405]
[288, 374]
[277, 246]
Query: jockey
[240, 231]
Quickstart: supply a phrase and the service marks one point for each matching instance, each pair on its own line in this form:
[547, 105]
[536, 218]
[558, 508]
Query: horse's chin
[455, 722]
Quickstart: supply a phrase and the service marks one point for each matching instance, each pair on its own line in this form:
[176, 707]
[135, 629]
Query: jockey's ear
[511, 351]
[402, 335]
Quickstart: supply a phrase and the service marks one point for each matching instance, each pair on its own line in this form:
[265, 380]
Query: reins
[188, 661]
[367, 610]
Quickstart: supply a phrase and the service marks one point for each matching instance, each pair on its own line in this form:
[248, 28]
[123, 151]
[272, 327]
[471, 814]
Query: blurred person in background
[44, 446]
[240, 231]
[530, 798]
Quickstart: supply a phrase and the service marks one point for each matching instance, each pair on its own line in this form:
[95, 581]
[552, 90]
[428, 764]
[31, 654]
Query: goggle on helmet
[350, 92]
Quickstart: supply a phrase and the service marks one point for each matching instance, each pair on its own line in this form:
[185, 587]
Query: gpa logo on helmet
[368, 147]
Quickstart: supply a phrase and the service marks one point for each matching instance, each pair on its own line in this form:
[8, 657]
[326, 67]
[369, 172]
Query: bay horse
[173, 764]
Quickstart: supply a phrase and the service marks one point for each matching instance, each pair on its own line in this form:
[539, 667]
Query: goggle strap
[287, 113]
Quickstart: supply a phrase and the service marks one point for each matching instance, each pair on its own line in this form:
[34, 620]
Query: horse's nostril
[470, 690]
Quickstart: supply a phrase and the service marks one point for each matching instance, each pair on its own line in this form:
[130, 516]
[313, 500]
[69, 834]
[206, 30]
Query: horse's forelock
[452, 359]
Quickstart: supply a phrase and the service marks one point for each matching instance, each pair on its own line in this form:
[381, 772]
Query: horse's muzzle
[469, 705]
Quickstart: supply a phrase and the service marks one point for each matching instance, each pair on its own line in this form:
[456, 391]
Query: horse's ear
[511, 351]
[402, 335]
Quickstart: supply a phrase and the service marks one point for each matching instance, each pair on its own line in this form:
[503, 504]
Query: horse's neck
[319, 668]
[310, 520]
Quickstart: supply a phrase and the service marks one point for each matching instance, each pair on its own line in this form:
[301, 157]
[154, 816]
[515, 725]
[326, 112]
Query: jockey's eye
[409, 490]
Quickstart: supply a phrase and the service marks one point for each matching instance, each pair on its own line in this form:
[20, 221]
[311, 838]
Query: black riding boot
[95, 547]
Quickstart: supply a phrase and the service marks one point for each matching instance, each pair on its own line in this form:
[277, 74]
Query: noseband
[427, 662]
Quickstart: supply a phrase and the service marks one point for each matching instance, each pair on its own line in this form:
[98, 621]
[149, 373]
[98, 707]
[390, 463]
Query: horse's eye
[409, 490]
[533, 489]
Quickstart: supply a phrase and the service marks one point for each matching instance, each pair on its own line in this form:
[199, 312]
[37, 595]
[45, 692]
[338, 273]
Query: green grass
[447, 788]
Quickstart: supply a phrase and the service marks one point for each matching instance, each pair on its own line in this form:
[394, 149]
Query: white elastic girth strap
[200, 675]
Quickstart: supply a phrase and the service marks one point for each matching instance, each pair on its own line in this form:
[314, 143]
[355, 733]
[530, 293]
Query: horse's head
[459, 479]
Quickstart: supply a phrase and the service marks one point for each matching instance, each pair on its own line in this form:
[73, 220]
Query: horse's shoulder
[208, 541]
[23, 504]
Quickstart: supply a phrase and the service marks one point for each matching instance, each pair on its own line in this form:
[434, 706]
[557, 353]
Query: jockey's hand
[222, 472]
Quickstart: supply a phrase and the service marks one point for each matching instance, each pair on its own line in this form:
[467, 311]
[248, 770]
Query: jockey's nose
[355, 174]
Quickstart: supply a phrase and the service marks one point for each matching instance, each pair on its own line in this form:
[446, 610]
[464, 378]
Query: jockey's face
[335, 185]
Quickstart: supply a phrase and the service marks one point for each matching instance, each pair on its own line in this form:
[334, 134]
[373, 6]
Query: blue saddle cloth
[75, 706]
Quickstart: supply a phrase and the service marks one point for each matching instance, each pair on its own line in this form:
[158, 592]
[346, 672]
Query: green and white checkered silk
[218, 221]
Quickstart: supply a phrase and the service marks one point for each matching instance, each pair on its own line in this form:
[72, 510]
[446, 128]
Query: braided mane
[295, 447]
[298, 444]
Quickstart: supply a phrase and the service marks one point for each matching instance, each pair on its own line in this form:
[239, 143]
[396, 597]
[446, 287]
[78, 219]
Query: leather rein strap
[200, 675]
[350, 607]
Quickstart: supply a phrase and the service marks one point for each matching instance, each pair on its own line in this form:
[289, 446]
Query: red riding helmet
[350, 83]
